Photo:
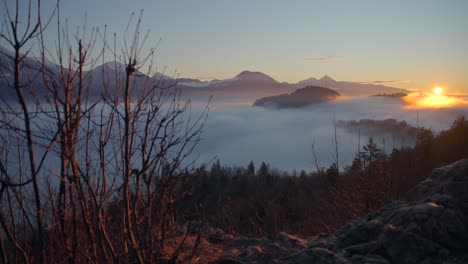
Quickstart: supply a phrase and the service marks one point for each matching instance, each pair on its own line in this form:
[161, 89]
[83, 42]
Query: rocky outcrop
[252, 250]
[431, 226]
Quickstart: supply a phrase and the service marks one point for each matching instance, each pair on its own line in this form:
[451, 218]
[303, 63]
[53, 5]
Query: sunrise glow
[433, 100]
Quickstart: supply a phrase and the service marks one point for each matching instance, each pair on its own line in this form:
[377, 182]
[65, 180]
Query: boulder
[446, 184]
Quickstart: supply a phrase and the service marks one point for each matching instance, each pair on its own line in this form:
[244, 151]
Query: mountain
[299, 98]
[110, 67]
[106, 77]
[162, 76]
[30, 74]
[255, 77]
[189, 80]
[327, 81]
[247, 84]
[351, 88]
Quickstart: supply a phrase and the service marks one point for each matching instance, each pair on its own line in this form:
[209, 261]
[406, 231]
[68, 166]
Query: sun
[436, 99]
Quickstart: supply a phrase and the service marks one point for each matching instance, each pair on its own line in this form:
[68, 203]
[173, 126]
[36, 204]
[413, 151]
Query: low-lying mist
[236, 133]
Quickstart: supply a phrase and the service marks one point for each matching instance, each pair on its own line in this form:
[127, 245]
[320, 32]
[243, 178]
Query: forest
[264, 201]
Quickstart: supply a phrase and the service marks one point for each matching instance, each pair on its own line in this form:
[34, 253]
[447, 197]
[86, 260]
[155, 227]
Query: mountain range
[257, 84]
[247, 84]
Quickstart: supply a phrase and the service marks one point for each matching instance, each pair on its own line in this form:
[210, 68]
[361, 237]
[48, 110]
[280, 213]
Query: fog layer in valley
[235, 132]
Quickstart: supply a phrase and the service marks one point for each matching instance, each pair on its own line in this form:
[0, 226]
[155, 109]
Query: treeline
[387, 124]
[391, 95]
[263, 201]
[392, 126]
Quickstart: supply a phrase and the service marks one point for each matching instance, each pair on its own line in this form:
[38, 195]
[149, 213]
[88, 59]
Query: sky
[417, 44]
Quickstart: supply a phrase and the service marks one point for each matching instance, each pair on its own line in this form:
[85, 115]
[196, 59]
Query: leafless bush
[86, 178]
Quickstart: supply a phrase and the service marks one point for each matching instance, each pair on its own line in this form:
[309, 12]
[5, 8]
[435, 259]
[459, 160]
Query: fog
[237, 133]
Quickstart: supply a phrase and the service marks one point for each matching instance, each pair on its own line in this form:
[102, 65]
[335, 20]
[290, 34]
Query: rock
[322, 240]
[218, 238]
[257, 250]
[204, 228]
[368, 259]
[430, 227]
[315, 255]
[290, 241]
[226, 261]
[448, 181]
[231, 253]
[253, 252]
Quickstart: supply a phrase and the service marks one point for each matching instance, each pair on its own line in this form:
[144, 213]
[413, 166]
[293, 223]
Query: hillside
[299, 98]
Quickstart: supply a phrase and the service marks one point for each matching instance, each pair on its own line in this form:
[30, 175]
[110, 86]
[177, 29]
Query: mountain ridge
[246, 84]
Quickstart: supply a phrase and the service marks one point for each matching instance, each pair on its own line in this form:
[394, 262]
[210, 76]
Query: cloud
[387, 82]
[327, 58]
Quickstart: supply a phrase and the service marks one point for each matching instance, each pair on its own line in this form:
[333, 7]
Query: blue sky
[417, 44]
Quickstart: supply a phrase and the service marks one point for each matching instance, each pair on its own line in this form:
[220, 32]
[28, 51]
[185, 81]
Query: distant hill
[257, 84]
[247, 84]
[299, 98]
[351, 88]
[393, 95]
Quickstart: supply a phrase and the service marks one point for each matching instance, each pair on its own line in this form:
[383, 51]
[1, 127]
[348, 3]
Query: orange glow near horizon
[434, 100]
